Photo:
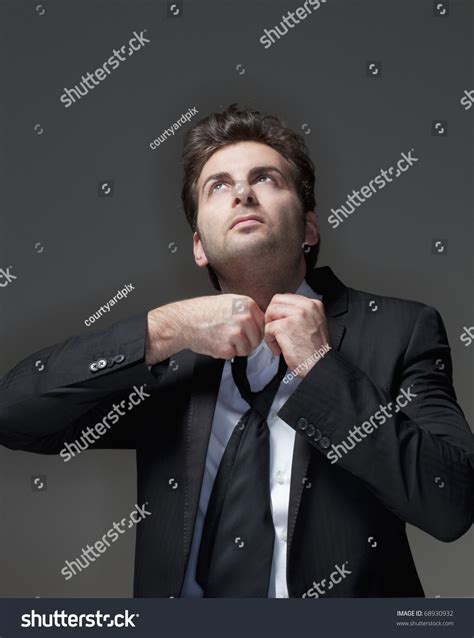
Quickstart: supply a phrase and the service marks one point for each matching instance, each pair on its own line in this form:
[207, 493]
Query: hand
[220, 326]
[296, 326]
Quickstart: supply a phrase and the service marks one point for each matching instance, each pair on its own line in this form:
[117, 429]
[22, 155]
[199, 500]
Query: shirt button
[283, 536]
[279, 477]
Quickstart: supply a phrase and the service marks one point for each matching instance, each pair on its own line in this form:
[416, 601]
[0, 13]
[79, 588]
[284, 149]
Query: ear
[199, 254]
[311, 237]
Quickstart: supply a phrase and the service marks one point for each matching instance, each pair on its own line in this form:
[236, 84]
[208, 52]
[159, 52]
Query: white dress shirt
[262, 365]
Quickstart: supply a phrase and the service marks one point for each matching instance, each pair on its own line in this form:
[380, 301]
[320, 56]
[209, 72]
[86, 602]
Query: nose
[241, 190]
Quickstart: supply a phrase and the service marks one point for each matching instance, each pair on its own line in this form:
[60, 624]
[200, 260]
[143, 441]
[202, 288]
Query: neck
[262, 289]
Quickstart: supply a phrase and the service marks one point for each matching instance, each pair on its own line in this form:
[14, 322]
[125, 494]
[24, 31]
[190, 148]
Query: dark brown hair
[238, 124]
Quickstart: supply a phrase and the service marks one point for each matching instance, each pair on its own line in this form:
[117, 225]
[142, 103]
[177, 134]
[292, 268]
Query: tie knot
[263, 399]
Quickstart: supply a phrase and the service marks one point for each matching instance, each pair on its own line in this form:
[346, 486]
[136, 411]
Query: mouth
[247, 220]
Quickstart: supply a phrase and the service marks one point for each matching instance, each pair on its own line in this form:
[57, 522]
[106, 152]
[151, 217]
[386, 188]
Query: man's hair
[237, 124]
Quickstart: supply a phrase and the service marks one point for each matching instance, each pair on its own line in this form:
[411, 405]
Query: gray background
[92, 246]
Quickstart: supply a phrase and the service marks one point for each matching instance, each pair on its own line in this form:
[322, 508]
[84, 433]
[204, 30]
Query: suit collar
[334, 292]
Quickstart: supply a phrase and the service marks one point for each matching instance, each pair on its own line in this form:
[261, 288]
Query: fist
[296, 326]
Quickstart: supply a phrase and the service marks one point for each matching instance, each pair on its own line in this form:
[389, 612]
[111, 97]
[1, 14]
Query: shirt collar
[306, 290]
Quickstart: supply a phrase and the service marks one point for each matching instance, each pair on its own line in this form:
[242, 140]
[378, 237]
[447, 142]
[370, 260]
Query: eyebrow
[256, 169]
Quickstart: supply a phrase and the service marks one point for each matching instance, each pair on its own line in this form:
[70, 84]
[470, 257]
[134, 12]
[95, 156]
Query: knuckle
[250, 304]
[227, 352]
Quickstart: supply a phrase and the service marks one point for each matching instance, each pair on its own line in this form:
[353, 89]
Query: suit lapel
[204, 391]
[334, 298]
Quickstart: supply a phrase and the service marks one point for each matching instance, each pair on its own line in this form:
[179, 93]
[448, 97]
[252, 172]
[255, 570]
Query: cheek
[289, 211]
[211, 219]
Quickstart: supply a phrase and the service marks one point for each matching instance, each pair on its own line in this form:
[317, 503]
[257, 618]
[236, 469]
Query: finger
[282, 309]
[290, 298]
[259, 318]
[279, 311]
[271, 339]
[295, 300]
[252, 332]
[241, 344]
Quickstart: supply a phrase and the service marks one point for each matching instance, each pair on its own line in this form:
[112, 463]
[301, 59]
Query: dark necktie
[236, 551]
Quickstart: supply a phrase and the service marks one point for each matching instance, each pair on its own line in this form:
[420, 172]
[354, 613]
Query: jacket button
[302, 423]
[317, 434]
[102, 363]
[310, 430]
[325, 442]
[119, 358]
[93, 366]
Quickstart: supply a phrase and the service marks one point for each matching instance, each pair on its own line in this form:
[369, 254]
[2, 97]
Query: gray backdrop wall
[363, 81]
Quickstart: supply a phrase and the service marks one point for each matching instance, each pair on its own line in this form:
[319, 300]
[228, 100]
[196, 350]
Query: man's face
[249, 179]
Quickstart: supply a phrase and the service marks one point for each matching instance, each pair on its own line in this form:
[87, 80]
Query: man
[290, 431]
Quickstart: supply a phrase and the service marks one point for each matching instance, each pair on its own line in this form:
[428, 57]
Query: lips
[245, 218]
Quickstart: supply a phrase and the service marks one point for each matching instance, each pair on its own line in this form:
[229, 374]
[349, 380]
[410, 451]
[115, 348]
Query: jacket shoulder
[400, 308]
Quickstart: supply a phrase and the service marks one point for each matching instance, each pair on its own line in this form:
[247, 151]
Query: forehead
[239, 158]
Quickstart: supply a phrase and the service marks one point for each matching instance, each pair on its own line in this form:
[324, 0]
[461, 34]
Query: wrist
[165, 333]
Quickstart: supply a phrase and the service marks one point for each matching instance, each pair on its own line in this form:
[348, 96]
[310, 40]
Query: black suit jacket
[417, 467]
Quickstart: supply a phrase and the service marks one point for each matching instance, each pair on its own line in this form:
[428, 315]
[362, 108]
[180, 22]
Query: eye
[213, 187]
[265, 175]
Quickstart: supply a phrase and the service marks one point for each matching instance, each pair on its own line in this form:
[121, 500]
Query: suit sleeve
[417, 459]
[53, 395]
